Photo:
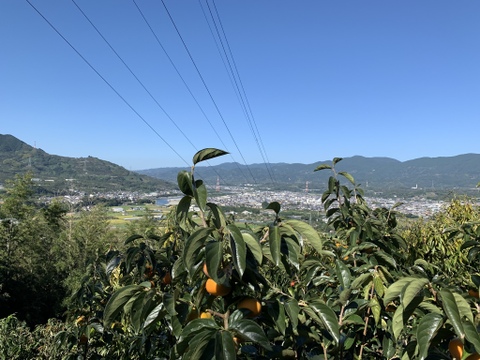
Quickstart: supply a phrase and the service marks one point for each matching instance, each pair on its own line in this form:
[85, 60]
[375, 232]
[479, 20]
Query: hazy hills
[93, 174]
[462, 171]
[57, 173]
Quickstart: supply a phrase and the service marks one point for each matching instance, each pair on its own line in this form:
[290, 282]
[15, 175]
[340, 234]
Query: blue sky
[398, 79]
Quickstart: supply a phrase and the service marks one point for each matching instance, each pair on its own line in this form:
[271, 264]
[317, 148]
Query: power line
[238, 85]
[108, 83]
[208, 91]
[139, 81]
[186, 85]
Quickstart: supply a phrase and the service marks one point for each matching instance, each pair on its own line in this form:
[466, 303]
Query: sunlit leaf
[274, 242]
[426, 331]
[329, 319]
[347, 176]
[254, 245]
[451, 309]
[206, 154]
[184, 180]
[213, 255]
[322, 167]
[343, 274]
[153, 315]
[118, 300]
[394, 290]
[238, 248]
[376, 309]
[218, 215]
[200, 194]
[250, 330]
[183, 208]
[413, 289]
[471, 334]
[307, 232]
[193, 244]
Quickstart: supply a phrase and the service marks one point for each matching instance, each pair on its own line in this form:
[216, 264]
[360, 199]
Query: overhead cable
[238, 84]
[108, 83]
[139, 81]
[208, 90]
[186, 85]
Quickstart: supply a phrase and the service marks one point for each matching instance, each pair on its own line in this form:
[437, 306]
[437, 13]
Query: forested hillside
[55, 174]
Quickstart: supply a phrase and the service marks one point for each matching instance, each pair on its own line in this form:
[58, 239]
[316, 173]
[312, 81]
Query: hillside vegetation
[58, 173]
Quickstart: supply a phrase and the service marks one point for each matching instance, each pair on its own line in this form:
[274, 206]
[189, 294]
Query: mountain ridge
[442, 172]
[55, 173]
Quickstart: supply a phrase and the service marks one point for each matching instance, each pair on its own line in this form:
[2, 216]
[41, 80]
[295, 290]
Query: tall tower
[217, 188]
[306, 186]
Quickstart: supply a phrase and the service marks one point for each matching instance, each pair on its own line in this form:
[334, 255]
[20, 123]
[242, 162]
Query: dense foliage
[202, 286]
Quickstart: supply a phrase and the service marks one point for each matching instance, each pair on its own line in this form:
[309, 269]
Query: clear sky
[322, 78]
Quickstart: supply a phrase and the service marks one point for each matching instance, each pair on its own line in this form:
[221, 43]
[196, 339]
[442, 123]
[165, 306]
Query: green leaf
[397, 322]
[213, 256]
[193, 244]
[395, 289]
[426, 331]
[275, 206]
[218, 215]
[169, 302]
[254, 245]
[206, 154]
[463, 307]
[137, 310]
[197, 344]
[451, 309]
[184, 180]
[307, 233]
[471, 334]
[412, 290]
[328, 317]
[251, 331]
[153, 315]
[276, 310]
[376, 309]
[292, 309]
[347, 176]
[238, 248]
[118, 300]
[293, 249]
[132, 238]
[183, 208]
[361, 280]
[343, 274]
[203, 328]
[274, 241]
[224, 346]
[353, 319]
[336, 160]
[332, 182]
[322, 167]
[200, 193]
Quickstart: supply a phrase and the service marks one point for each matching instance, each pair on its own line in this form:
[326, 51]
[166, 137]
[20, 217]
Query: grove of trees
[201, 286]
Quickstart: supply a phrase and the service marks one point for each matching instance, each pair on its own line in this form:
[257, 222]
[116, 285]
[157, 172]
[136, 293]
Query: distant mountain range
[55, 173]
[380, 173]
